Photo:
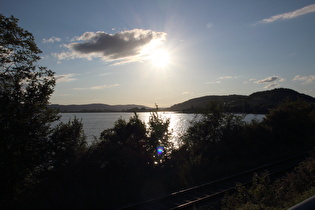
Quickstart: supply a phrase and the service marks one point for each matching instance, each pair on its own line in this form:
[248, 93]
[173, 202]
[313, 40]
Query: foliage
[25, 88]
[159, 137]
[264, 194]
[213, 127]
[120, 167]
[126, 138]
[125, 166]
[218, 142]
[206, 142]
[258, 195]
[134, 135]
[67, 143]
[291, 121]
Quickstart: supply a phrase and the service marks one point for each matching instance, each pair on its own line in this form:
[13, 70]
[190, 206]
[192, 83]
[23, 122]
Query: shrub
[263, 194]
[67, 143]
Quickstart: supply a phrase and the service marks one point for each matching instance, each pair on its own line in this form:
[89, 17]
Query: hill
[99, 108]
[258, 102]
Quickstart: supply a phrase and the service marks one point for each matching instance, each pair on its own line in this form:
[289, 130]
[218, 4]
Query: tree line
[45, 167]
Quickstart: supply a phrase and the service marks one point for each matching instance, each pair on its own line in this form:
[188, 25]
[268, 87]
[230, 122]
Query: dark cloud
[271, 82]
[268, 80]
[125, 45]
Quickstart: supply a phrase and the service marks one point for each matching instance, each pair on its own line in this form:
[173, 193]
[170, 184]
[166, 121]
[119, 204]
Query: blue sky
[166, 52]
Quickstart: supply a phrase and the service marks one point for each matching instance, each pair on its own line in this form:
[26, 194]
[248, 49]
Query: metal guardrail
[308, 204]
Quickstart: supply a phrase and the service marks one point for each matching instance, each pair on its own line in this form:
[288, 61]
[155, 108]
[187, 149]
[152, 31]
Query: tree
[209, 141]
[159, 145]
[292, 122]
[67, 142]
[213, 127]
[25, 89]
[127, 142]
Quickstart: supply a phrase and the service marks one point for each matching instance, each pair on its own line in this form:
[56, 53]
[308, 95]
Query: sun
[160, 58]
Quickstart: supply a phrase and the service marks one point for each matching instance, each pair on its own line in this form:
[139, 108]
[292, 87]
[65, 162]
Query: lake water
[95, 123]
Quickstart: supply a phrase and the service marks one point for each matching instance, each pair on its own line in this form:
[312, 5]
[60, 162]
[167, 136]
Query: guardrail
[308, 204]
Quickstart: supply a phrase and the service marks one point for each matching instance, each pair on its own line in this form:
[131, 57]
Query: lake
[95, 123]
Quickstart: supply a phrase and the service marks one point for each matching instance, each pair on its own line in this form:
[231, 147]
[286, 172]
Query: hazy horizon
[167, 52]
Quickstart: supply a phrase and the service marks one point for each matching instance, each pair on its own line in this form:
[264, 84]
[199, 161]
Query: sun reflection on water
[95, 123]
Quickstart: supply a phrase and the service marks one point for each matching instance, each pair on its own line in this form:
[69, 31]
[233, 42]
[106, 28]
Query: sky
[166, 52]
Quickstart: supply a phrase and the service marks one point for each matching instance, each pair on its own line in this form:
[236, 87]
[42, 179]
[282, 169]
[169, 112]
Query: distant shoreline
[127, 111]
[256, 103]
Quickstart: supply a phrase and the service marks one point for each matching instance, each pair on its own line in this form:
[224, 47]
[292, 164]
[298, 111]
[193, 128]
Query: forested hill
[258, 102]
[98, 108]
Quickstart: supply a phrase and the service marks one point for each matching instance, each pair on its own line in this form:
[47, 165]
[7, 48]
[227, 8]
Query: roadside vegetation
[44, 167]
[283, 193]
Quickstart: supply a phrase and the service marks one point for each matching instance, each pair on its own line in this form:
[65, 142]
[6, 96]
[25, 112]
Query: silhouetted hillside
[98, 108]
[259, 102]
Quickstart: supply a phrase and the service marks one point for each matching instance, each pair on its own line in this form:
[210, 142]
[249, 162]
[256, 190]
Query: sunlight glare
[159, 58]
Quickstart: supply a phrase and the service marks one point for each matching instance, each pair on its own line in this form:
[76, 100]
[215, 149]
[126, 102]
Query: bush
[220, 143]
[292, 121]
[124, 164]
[208, 142]
[263, 194]
[67, 143]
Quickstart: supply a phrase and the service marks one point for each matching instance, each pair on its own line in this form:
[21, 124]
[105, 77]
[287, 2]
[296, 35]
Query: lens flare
[160, 150]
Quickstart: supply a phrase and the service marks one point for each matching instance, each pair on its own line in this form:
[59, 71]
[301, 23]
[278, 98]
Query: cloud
[98, 87]
[213, 82]
[103, 87]
[271, 82]
[289, 15]
[268, 80]
[227, 77]
[272, 85]
[306, 79]
[65, 78]
[187, 93]
[51, 40]
[122, 47]
[249, 81]
[219, 79]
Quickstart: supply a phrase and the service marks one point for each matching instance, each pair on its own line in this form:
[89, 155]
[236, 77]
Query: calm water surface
[95, 123]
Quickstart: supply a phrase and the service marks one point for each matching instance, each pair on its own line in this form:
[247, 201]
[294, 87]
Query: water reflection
[95, 123]
[179, 122]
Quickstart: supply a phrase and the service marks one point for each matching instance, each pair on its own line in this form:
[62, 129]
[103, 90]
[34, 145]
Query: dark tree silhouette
[292, 121]
[67, 143]
[25, 88]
